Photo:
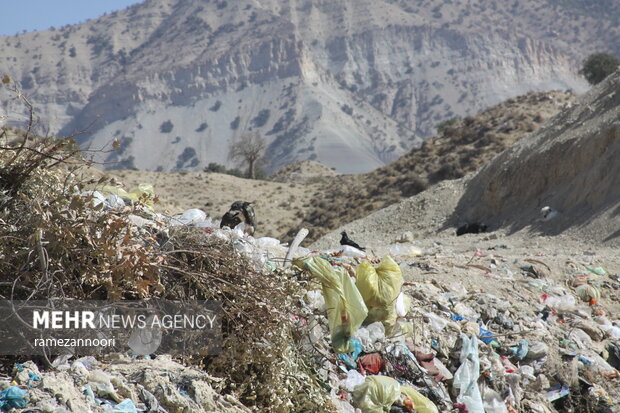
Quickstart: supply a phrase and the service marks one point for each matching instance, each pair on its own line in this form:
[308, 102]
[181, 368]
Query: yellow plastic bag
[376, 394]
[421, 403]
[142, 190]
[345, 306]
[380, 287]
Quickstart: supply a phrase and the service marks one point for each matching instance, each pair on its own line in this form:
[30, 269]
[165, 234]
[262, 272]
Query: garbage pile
[386, 345]
[339, 330]
[115, 384]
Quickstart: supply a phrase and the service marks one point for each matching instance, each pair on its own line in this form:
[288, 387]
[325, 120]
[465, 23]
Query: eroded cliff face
[352, 84]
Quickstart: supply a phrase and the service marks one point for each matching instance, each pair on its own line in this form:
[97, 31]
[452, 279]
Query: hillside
[463, 146]
[351, 84]
[570, 164]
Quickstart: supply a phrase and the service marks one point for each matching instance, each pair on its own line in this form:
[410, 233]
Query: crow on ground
[345, 240]
[475, 228]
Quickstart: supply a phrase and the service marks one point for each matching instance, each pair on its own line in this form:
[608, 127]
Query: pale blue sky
[17, 15]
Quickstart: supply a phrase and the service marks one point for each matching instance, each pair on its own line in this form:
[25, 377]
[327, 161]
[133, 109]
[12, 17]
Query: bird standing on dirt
[345, 240]
[240, 211]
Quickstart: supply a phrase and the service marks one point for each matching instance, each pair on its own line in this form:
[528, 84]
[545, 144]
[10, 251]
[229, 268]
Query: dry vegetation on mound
[55, 243]
[461, 147]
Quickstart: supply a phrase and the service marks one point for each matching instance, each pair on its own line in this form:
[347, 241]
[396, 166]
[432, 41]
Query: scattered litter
[13, 397]
[557, 392]
[548, 213]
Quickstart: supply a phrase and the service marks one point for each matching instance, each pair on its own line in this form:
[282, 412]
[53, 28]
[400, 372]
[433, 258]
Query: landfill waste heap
[393, 329]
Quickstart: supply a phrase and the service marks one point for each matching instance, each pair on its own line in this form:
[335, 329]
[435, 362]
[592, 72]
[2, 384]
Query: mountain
[353, 84]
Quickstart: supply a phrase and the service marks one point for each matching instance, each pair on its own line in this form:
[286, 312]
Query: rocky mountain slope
[571, 165]
[461, 147]
[352, 84]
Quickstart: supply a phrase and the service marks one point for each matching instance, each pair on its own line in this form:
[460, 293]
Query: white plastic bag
[352, 252]
[189, 217]
[437, 322]
[315, 300]
[562, 304]
[403, 303]
[466, 377]
[354, 378]
[405, 250]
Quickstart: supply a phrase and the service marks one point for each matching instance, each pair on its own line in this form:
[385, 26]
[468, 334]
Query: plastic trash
[189, 217]
[98, 198]
[380, 287]
[354, 379]
[315, 300]
[115, 201]
[88, 392]
[143, 192]
[376, 332]
[437, 322]
[405, 251]
[561, 304]
[421, 403]
[596, 270]
[32, 377]
[403, 303]
[345, 306]
[527, 372]
[61, 362]
[126, 406]
[267, 242]
[342, 406]
[580, 338]
[509, 368]
[493, 401]
[587, 292]
[520, 350]
[614, 331]
[548, 213]
[369, 335]
[350, 359]
[101, 385]
[466, 377]
[372, 363]
[13, 398]
[536, 350]
[376, 394]
[557, 392]
[352, 252]
[486, 336]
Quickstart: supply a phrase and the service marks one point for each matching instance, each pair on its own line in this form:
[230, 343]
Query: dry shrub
[54, 243]
[260, 358]
[57, 244]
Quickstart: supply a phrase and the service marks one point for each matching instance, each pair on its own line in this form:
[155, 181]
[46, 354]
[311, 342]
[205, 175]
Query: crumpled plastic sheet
[466, 377]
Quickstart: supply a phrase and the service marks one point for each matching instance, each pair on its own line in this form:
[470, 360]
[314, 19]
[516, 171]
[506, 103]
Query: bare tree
[249, 149]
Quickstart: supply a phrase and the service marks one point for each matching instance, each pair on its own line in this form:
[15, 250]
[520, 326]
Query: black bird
[240, 211]
[345, 240]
